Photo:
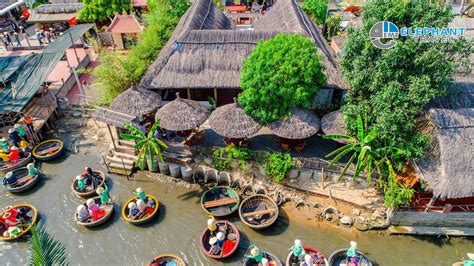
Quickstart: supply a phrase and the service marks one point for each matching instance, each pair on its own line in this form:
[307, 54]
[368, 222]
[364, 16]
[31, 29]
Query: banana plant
[148, 145]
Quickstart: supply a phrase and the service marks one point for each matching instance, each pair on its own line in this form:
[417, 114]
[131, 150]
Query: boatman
[21, 131]
[298, 250]
[351, 254]
[32, 170]
[14, 136]
[140, 193]
[255, 254]
[81, 184]
[103, 194]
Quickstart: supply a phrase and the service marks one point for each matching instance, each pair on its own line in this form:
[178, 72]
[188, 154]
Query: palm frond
[339, 150]
[360, 163]
[130, 137]
[338, 136]
[135, 131]
[360, 129]
[371, 136]
[344, 170]
[45, 250]
[338, 157]
[153, 129]
[151, 156]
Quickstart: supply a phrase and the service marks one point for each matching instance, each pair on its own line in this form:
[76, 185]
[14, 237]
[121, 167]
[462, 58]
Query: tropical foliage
[45, 250]
[102, 10]
[222, 158]
[119, 72]
[281, 73]
[391, 87]
[149, 146]
[277, 165]
[316, 9]
[333, 26]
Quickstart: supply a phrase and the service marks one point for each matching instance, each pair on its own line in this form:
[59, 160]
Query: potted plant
[149, 146]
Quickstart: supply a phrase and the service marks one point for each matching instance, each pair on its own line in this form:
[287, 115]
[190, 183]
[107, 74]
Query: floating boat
[318, 257]
[338, 257]
[232, 235]
[90, 222]
[143, 217]
[167, 259]
[272, 260]
[10, 165]
[220, 201]
[258, 211]
[90, 190]
[48, 150]
[31, 215]
[23, 181]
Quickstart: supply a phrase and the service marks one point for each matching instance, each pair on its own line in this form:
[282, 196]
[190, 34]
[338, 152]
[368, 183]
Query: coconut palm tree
[45, 250]
[147, 143]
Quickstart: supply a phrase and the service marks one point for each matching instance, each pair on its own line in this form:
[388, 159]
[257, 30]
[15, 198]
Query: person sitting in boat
[220, 238]
[141, 206]
[212, 225]
[133, 210]
[81, 183]
[470, 260]
[89, 175]
[4, 144]
[140, 193]
[32, 170]
[9, 219]
[82, 212]
[12, 232]
[10, 179]
[255, 254]
[265, 262]
[103, 194]
[14, 153]
[215, 249]
[308, 261]
[14, 136]
[298, 250]
[351, 254]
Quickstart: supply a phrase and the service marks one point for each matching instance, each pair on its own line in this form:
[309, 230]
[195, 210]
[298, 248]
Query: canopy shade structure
[68, 38]
[9, 65]
[49, 13]
[114, 118]
[136, 101]
[231, 121]
[301, 124]
[181, 114]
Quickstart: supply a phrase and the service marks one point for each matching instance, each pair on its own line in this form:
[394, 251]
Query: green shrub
[223, 157]
[277, 165]
[316, 9]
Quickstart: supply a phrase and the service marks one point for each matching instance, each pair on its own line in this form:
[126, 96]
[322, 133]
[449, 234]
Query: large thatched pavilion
[295, 129]
[204, 56]
[231, 122]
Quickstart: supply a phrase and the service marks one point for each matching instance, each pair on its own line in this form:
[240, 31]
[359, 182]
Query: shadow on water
[160, 216]
[279, 227]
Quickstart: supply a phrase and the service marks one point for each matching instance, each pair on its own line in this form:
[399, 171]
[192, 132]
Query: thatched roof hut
[333, 123]
[137, 101]
[113, 118]
[448, 165]
[231, 121]
[288, 17]
[181, 114]
[58, 12]
[301, 124]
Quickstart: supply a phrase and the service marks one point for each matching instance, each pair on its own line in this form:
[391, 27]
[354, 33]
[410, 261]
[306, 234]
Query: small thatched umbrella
[301, 124]
[333, 123]
[231, 121]
[136, 101]
[182, 114]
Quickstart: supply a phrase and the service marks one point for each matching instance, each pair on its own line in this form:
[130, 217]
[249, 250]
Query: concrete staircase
[121, 157]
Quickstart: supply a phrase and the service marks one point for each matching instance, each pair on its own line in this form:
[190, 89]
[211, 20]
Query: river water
[180, 222]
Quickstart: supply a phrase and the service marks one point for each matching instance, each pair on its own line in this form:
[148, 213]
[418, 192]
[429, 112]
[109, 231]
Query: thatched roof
[301, 124]
[231, 121]
[202, 15]
[60, 8]
[112, 117]
[287, 16]
[333, 123]
[181, 114]
[448, 166]
[136, 101]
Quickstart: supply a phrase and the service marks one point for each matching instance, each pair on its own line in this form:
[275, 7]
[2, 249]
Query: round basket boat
[6, 167]
[143, 217]
[318, 257]
[167, 259]
[90, 222]
[48, 150]
[258, 211]
[30, 217]
[232, 238]
[90, 190]
[338, 257]
[272, 260]
[220, 201]
[23, 181]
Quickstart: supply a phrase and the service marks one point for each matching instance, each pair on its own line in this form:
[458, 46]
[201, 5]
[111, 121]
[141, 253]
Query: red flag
[72, 21]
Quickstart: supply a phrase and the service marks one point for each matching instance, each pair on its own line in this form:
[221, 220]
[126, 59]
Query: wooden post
[215, 95]
[189, 93]
[432, 201]
[112, 136]
[74, 48]
[322, 177]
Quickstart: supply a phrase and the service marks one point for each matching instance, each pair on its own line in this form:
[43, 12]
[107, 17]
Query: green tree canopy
[101, 10]
[391, 87]
[281, 73]
[316, 9]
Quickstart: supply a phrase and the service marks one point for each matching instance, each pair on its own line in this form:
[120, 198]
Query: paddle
[258, 213]
[221, 202]
[22, 180]
[46, 151]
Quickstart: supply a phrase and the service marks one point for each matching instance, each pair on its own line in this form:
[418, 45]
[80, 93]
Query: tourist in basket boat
[298, 250]
[82, 212]
[351, 254]
[212, 225]
[14, 136]
[4, 144]
[308, 261]
[133, 210]
[81, 183]
[140, 193]
[32, 170]
[10, 179]
[103, 194]
[255, 254]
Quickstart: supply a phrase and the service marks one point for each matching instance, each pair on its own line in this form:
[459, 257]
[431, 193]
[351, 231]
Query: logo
[384, 30]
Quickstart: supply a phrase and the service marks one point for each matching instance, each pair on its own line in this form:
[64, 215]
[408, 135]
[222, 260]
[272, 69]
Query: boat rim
[33, 220]
[48, 155]
[125, 206]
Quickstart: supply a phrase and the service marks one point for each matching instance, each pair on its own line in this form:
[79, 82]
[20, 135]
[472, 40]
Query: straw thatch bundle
[301, 124]
[181, 114]
[231, 121]
[287, 16]
[448, 165]
[137, 101]
[112, 117]
[59, 8]
[333, 123]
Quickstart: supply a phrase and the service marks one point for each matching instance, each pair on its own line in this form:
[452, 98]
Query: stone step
[119, 169]
[125, 155]
[119, 160]
[122, 149]
[127, 143]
